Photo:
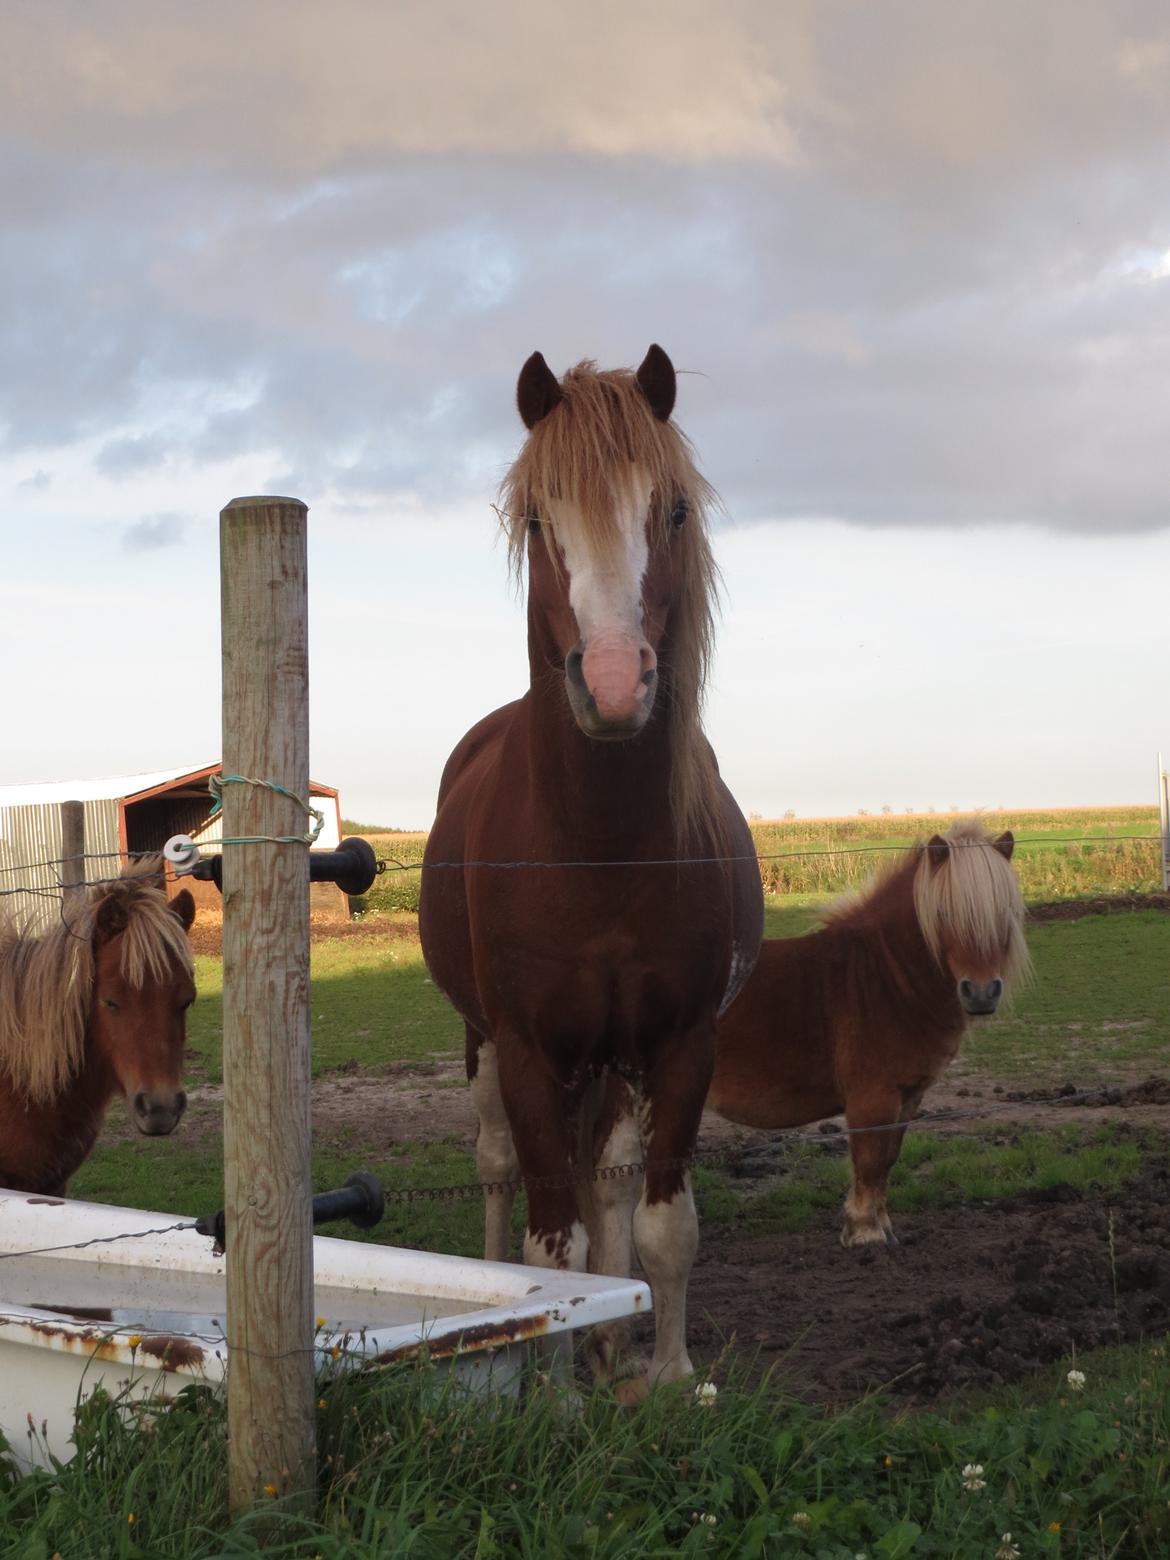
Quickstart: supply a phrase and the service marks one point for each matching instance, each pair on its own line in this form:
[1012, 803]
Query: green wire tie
[216, 783]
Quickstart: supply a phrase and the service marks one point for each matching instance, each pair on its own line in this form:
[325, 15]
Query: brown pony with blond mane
[590, 990]
[89, 1010]
[864, 1014]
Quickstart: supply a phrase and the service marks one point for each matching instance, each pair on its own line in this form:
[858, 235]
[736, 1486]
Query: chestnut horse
[590, 988]
[864, 1014]
[89, 1010]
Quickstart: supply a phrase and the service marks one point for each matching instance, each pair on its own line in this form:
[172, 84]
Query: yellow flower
[270, 1489]
[134, 1340]
[320, 1323]
[1054, 1527]
[335, 1352]
[130, 1518]
[888, 1462]
[320, 1402]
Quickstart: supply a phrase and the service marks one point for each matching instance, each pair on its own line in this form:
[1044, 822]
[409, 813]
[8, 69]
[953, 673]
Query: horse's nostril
[141, 1104]
[995, 990]
[180, 1102]
[966, 989]
[573, 667]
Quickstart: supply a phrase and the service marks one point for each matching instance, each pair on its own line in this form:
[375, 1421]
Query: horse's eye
[679, 514]
[533, 526]
[110, 1003]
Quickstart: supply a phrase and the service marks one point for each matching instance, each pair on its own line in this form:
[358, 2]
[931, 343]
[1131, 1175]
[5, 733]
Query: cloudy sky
[915, 256]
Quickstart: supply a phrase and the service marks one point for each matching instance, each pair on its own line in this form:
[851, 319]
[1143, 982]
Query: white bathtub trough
[150, 1311]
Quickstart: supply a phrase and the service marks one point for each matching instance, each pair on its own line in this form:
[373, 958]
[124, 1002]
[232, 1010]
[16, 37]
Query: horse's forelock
[974, 898]
[580, 453]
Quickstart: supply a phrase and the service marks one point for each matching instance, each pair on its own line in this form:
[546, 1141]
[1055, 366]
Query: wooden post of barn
[267, 1186]
[73, 861]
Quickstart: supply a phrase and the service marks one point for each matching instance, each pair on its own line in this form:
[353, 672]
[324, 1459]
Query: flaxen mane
[975, 894]
[581, 453]
[46, 982]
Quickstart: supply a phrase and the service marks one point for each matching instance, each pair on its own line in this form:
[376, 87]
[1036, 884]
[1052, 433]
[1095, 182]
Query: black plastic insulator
[352, 866]
[361, 1200]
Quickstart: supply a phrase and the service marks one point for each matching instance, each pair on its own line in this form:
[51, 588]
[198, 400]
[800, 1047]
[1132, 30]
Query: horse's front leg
[608, 1201]
[666, 1225]
[877, 1121]
[495, 1153]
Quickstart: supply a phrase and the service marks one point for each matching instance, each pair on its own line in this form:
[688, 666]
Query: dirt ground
[969, 1299]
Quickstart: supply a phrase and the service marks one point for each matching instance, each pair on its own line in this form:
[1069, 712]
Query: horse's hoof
[862, 1235]
[632, 1392]
[891, 1238]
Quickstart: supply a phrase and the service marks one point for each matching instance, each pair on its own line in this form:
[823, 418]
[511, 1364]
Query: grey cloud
[943, 307]
[37, 483]
[153, 532]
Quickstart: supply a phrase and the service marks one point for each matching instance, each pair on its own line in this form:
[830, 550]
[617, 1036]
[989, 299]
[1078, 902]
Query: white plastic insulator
[181, 851]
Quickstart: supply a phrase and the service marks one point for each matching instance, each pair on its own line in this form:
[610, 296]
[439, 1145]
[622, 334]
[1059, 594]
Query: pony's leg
[615, 1141]
[495, 1153]
[666, 1225]
[881, 1114]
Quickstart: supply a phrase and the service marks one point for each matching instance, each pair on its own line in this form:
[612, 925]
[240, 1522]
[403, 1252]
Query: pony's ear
[1005, 844]
[658, 382]
[182, 906]
[537, 391]
[109, 919]
[938, 850]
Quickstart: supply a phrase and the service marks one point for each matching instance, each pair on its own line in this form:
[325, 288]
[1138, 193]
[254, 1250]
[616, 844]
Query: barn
[124, 814]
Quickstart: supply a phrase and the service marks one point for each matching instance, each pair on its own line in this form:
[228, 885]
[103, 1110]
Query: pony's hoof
[632, 1392]
[862, 1235]
[891, 1238]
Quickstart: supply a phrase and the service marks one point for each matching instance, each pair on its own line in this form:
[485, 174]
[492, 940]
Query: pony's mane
[974, 894]
[46, 982]
[582, 451]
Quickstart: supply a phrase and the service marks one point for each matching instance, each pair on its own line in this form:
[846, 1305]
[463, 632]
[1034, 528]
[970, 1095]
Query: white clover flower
[706, 1393]
[802, 1519]
[1007, 1550]
[973, 1477]
[708, 1519]
[1076, 1380]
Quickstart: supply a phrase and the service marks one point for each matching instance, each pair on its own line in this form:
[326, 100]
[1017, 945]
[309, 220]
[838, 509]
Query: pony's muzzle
[980, 997]
[158, 1112]
[611, 685]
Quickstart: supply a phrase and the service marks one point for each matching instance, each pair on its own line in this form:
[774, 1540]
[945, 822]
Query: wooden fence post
[73, 861]
[267, 1185]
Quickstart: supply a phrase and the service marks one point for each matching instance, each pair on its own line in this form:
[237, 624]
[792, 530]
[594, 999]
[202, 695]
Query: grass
[934, 1171]
[1061, 854]
[414, 1467]
[1100, 1001]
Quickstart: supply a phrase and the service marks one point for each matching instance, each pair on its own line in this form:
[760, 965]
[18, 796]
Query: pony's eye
[110, 1003]
[679, 514]
[533, 526]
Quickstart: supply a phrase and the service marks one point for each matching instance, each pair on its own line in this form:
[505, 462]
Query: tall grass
[1060, 854]
[413, 1466]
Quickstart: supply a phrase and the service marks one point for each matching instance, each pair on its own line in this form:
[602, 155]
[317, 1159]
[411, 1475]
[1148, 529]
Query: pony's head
[142, 988]
[969, 906]
[605, 503]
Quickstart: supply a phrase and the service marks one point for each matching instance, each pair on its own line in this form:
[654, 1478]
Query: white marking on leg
[742, 964]
[495, 1153]
[612, 1202]
[567, 1249]
[667, 1237]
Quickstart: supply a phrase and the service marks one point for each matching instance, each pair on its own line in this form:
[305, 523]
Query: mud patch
[971, 1299]
[1103, 904]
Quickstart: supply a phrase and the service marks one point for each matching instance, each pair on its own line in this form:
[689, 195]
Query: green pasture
[1100, 1002]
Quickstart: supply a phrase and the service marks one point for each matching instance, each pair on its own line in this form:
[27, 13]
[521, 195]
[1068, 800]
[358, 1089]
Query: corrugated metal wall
[32, 835]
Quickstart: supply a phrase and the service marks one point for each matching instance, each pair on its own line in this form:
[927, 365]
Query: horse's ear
[109, 919]
[537, 391]
[657, 379]
[183, 907]
[938, 850]
[1005, 844]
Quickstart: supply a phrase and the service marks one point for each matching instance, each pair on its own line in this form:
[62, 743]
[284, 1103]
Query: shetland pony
[89, 1010]
[590, 989]
[864, 1014]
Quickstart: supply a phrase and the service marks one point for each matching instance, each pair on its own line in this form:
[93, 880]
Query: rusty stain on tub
[168, 1351]
[484, 1335]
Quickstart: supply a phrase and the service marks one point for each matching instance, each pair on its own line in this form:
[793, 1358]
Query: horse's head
[617, 553]
[972, 914]
[142, 989]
